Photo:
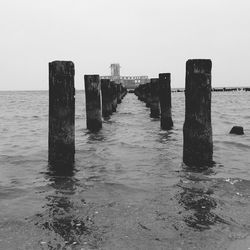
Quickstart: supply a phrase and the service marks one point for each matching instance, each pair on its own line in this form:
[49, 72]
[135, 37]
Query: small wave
[235, 144]
[10, 192]
[127, 113]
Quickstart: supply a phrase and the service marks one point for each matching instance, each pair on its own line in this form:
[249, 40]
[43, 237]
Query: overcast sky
[145, 36]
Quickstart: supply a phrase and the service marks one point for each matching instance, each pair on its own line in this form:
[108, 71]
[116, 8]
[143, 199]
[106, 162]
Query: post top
[154, 79]
[164, 75]
[105, 80]
[91, 75]
[61, 61]
[92, 78]
[199, 65]
[62, 67]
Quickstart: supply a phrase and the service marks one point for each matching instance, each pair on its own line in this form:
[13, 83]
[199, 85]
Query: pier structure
[128, 82]
[104, 93]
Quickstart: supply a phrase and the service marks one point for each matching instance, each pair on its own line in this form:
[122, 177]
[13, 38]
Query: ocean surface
[128, 188]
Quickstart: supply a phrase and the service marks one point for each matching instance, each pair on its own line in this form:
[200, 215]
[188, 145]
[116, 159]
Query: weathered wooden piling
[165, 100]
[154, 101]
[61, 112]
[140, 92]
[147, 95]
[93, 102]
[123, 92]
[197, 129]
[114, 95]
[106, 97]
[119, 99]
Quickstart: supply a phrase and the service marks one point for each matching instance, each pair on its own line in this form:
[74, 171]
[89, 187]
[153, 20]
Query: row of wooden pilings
[197, 129]
[102, 98]
[157, 96]
[101, 95]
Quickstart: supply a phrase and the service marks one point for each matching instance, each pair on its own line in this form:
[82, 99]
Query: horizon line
[26, 90]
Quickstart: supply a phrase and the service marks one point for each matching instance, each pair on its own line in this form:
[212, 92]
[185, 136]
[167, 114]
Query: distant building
[130, 82]
[115, 71]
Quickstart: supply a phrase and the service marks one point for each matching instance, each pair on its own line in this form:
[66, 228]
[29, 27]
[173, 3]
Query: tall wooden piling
[61, 112]
[93, 102]
[106, 97]
[165, 100]
[114, 95]
[154, 102]
[197, 129]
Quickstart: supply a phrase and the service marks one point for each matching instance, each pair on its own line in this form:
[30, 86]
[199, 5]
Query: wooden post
[141, 92]
[154, 102]
[106, 97]
[61, 112]
[197, 129]
[114, 96]
[147, 94]
[165, 100]
[93, 102]
[119, 99]
[123, 92]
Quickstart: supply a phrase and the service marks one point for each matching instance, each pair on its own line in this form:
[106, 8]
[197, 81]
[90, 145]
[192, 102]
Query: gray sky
[145, 36]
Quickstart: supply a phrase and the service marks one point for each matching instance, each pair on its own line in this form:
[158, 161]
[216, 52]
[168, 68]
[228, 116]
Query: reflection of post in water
[197, 129]
[61, 216]
[196, 198]
[61, 111]
[95, 137]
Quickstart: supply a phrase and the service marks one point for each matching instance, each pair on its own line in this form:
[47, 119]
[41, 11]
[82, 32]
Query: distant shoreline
[218, 89]
[215, 89]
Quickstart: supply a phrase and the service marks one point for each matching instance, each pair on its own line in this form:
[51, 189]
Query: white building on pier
[129, 82]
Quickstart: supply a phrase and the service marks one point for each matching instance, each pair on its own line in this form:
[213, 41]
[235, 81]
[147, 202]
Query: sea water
[128, 188]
